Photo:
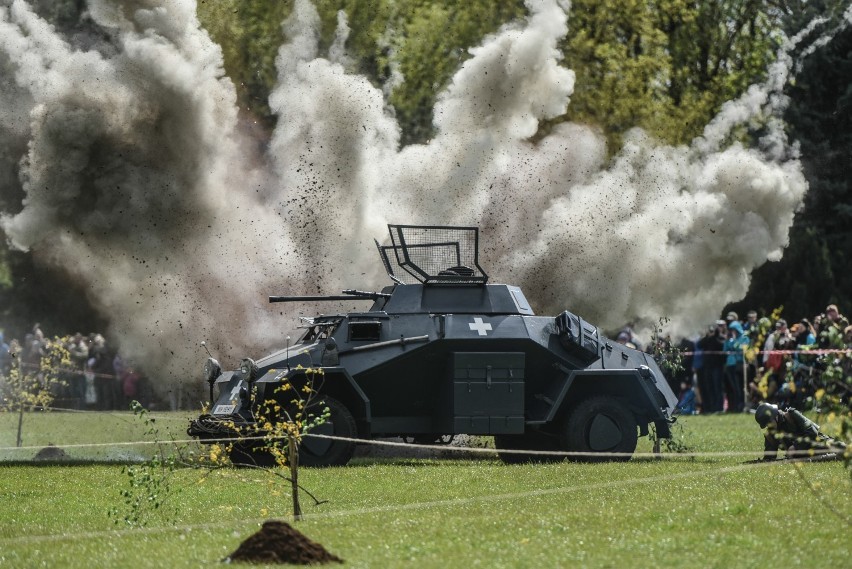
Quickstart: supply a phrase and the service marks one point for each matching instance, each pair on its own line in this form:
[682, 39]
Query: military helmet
[765, 413]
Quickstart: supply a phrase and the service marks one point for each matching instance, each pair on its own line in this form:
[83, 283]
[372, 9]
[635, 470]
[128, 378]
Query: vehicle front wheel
[321, 452]
[599, 426]
[251, 455]
[313, 451]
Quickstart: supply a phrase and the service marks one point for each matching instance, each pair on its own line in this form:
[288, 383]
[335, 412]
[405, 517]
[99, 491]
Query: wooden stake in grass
[294, 475]
[19, 441]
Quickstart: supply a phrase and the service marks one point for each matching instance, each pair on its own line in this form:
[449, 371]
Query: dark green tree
[665, 65]
[816, 269]
[250, 34]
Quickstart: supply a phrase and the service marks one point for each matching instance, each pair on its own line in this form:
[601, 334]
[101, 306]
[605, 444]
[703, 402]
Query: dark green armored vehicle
[442, 352]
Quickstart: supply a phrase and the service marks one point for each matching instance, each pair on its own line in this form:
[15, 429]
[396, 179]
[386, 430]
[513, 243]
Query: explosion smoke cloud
[136, 181]
[658, 231]
[128, 178]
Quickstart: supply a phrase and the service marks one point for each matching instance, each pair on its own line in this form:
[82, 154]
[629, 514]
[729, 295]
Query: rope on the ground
[445, 448]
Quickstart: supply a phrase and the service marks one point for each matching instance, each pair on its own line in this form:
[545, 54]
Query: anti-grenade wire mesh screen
[434, 254]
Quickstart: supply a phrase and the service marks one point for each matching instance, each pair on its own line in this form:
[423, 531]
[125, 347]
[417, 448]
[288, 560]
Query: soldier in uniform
[789, 430]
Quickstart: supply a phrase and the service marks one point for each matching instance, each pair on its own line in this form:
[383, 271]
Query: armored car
[442, 351]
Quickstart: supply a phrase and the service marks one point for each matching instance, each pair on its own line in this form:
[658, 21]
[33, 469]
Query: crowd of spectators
[87, 373]
[734, 364]
[731, 367]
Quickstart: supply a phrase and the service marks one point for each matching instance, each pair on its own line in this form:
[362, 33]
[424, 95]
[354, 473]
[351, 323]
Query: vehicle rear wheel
[321, 452]
[603, 425]
[528, 441]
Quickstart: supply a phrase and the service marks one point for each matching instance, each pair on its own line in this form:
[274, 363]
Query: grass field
[702, 512]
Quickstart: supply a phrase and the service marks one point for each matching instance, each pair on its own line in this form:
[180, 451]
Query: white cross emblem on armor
[235, 391]
[480, 326]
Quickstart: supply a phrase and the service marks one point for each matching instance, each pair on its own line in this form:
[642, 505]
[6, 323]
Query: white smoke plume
[136, 183]
[658, 231]
[824, 38]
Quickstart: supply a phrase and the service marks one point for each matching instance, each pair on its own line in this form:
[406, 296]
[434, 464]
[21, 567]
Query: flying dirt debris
[443, 352]
[140, 183]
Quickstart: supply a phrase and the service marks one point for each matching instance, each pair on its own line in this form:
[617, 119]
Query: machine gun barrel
[313, 298]
[347, 295]
[367, 294]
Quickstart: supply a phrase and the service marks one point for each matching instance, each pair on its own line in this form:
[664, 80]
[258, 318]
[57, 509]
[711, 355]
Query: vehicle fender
[338, 383]
[638, 392]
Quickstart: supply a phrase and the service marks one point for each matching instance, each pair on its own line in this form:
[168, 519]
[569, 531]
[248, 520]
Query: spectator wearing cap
[632, 341]
[833, 315]
[830, 327]
[750, 327]
[804, 339]
[623, 338]
[780, 339]
[731, 317]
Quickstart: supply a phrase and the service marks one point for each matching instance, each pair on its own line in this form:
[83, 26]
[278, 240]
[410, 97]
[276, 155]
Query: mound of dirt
[50, 452]
[278, 542]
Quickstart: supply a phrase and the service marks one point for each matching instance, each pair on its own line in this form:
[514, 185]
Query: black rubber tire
[340, 423]
[246, 454]
[600, 424]
[527, 441]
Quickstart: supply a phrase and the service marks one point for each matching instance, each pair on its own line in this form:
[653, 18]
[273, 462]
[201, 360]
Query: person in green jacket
[790, 431]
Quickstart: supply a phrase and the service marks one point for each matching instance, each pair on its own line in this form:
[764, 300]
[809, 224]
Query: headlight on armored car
[248, 369]
[212, 370]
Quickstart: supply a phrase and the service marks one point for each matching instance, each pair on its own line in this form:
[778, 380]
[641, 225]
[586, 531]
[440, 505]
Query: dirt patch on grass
[51, 452]
[278, 542]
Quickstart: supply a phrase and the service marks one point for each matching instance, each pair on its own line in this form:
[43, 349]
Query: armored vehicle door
[488, 392]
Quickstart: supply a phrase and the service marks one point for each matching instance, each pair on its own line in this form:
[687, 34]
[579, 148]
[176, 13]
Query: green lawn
[703, 512]
[67, 429]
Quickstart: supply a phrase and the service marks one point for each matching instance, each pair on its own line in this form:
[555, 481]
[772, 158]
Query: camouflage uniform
[792, 430]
